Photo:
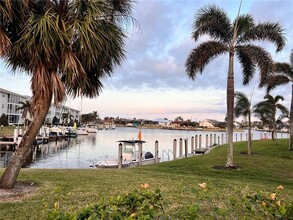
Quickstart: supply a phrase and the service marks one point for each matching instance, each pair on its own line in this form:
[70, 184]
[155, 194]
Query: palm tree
[267, 111]
[26, 108]
[67, 118]
[235, 39]
[283, 74]
[65, 46]
[243, 108]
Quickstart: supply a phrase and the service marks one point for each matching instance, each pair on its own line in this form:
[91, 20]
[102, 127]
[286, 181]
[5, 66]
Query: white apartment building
[9, 102]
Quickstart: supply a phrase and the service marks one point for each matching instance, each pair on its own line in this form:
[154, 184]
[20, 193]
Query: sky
[152, 83]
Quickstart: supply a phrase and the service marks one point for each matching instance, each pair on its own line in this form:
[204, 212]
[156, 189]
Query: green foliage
[269, 205]
[138, 204]
[3, 120]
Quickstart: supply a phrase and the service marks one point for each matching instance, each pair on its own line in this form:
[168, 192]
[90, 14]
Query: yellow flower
[280, 187]
[144, 186]
[273, 196]
[202, 185]
[279, 203]
[133, 215]
[263, 204]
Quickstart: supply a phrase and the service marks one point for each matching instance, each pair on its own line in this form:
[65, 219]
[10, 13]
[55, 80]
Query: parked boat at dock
[82, 131]
[130, 155]
[91, 128]
[55, 133]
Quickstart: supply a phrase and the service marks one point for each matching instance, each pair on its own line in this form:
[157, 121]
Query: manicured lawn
[225, 196]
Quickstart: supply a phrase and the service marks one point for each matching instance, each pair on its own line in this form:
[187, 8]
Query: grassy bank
[8, 130]
[225, 195]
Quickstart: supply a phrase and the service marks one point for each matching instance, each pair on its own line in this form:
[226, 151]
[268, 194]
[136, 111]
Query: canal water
[82, 151]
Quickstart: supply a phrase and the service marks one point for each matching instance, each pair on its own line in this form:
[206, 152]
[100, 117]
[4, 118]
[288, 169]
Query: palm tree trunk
[20, 156]
[249, 135]
[291, 122]
[230, 110]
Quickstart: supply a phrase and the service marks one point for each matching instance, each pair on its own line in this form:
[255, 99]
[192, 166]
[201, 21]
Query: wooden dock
[7, 142]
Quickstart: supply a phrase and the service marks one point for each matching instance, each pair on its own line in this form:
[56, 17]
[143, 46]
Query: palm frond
[259, 57]
[284, 69]
[202, 55]
[214, 22]
[283, 109]
[270, 31]
[244, 24]
[278, 98]
[291, 59]
[242, 105]
[275, 80]
[247, 64]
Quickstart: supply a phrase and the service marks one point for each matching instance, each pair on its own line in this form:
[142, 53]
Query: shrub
[138, 204]
[3, 120]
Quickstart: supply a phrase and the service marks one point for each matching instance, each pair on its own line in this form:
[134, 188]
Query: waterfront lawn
[225, 195]
[8, 130]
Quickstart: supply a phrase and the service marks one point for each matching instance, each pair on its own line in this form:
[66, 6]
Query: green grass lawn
[225, 196]
[8, 130]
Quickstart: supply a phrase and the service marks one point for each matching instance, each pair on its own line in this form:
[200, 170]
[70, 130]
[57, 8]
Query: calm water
[81, 151]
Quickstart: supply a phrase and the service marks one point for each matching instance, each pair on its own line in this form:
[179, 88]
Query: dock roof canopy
[131, 141]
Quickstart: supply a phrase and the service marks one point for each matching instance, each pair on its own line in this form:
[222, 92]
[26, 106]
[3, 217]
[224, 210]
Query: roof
[131, 141]
[13, 93]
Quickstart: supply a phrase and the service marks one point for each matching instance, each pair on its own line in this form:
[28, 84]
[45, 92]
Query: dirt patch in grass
[21, 191]
[226, 167]
[252, 154]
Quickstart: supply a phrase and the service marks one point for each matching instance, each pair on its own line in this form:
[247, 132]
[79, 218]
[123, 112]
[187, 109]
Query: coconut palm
[26, 108]
[234, 39]
[267, 112]
[243, 108]
[67, 117]
[283, 74]
[66, 46]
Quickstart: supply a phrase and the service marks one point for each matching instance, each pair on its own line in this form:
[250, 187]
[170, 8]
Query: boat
[70, 132]
[91, 128]
[55, 133]
[81, 131]
[130, 155]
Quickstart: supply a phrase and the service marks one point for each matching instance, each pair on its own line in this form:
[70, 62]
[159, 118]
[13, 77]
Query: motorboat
[91, 129]
[70, 132]
[130, 155]
[81, 131]
[55, 133]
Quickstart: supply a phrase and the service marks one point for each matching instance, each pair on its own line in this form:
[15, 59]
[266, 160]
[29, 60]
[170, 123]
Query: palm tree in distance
[67, 118]
[283, 74]
[235, 39]
[26, 108]
[243, 108]
[267, 111]
[65, 46]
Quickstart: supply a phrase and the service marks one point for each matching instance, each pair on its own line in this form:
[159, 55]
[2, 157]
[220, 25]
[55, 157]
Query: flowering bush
[138, 204]
[271, 205]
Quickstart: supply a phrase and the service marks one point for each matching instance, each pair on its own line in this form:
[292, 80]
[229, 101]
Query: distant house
[163, 122]
[209, 123]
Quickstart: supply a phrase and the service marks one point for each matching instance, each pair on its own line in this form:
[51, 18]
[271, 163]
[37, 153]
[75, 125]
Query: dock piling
[120, 156]
[174, 148]
[156, 152]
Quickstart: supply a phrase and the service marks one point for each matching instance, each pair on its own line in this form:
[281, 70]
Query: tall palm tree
[65, 46]
[283, 74]
[267, 111]
[26, 108]
[243, 108]
[234, 39]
